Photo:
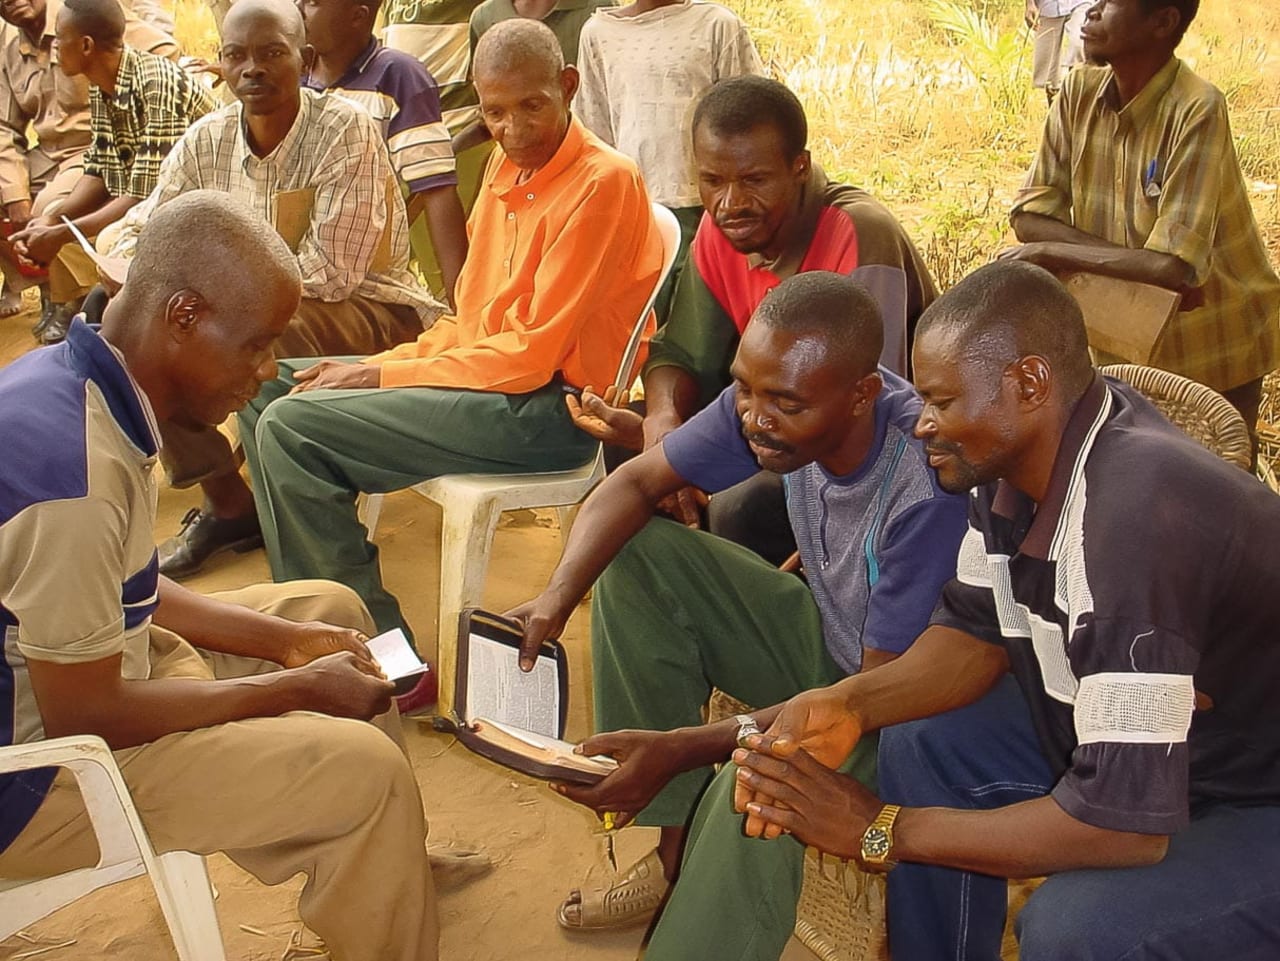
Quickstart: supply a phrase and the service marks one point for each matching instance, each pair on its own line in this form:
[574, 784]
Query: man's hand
[41, 240]
[607, 418]
[1033, 253]
[314, 639]
[542, 619]
[685, 506]
[18, 213]
[335, 375]
[818, 806]
[647, 761]
[1032, 14]
[344, 685]
[818, 721]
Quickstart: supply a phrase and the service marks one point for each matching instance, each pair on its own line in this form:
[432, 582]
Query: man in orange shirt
[564, 253]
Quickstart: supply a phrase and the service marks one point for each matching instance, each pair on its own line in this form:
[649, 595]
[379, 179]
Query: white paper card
[394, 655]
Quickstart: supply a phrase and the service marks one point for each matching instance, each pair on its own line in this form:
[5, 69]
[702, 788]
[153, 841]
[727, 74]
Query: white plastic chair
[179, 877]
[472, 503]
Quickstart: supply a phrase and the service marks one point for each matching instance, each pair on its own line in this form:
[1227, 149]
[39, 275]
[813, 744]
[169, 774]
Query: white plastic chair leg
[567, 515]
[186, 898]
[370, 511]
[466, 534]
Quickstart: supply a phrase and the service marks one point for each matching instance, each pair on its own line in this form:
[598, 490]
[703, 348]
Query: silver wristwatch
[746, 727]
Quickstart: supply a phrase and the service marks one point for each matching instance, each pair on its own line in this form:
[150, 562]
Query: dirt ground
[541, 844]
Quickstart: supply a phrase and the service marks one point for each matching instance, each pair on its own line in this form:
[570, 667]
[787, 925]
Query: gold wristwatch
[877, 840]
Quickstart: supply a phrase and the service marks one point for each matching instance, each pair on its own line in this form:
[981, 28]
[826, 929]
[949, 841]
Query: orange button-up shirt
[558, 270]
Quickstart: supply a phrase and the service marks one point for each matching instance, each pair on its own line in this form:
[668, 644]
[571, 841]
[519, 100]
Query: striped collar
[1091, 412]
[89, 355]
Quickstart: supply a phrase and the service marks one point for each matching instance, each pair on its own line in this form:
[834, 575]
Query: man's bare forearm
[447, 225]
[127, 713]
[1061, 248]
[670, 398]
[612, 515]
[1018, 841]
[944, 669]
[214, 625]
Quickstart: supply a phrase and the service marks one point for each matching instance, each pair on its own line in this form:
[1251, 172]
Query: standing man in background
[644, 68]
[1052, 22]
[402, 97]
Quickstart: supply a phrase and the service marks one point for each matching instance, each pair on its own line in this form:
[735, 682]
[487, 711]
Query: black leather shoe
[204, 536]
[53, 329]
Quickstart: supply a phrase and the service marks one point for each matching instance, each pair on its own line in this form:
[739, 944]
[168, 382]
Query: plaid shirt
[35, 96]
[332, 148]
[1161, 173]
[135, 127]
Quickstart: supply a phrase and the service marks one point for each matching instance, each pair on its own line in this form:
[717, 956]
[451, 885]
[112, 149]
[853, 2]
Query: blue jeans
[1215, 895]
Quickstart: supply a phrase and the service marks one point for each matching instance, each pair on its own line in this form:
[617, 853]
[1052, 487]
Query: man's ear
[308, 58]
[1033, 380]
[800, 166]
[183, 312]
[569, 78]
[1166, 21]
[868, 389]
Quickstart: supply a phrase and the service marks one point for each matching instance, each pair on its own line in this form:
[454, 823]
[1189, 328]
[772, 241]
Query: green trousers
[311, 454]
[676, 613]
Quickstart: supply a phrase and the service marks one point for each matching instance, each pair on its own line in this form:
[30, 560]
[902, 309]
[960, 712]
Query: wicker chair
[840, 916]
[1269, 432]
[1201, 412]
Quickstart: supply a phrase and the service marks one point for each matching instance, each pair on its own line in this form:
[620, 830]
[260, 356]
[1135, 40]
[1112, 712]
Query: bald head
[1009, 310]
[283, 15]
[520, 46]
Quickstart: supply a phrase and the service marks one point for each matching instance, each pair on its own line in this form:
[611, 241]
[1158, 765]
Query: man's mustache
[764, 440]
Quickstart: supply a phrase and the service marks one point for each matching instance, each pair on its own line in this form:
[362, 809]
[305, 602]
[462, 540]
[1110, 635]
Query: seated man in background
[676, 611]
[1095, 697]
[403, 99]
[316, 166]
[139, 106]
[280, 771]
[1137, 178]
[770, 213]
[564, 255]
[36, 178]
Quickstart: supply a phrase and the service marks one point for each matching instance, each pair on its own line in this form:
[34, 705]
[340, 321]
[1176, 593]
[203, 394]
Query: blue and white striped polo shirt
[78, 568]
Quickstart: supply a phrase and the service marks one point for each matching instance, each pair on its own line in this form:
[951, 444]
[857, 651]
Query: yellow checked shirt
[1161, 174]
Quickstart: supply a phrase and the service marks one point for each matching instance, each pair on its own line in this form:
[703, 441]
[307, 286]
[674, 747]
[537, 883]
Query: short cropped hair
[1008, 310]
[515, 44]
[240, 253]
[102, 21]
[832, 307]
[742, 104]
[1187, 10]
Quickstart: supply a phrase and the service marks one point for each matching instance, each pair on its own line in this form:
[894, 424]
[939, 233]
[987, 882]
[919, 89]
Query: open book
[511, 717]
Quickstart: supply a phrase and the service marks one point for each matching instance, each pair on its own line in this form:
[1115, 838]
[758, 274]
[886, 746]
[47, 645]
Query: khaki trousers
[332, 798]
[51, 184]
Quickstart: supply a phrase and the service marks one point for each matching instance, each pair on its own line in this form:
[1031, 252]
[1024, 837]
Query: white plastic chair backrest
[669, 231]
